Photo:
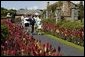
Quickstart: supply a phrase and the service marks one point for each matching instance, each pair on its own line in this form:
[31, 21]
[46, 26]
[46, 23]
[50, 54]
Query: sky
[27, 4]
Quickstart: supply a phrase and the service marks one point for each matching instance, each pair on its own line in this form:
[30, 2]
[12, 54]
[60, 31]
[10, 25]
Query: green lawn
[65, 42]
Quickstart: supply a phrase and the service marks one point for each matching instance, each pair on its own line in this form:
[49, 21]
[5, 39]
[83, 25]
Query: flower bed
[73, 35]
[19, 43]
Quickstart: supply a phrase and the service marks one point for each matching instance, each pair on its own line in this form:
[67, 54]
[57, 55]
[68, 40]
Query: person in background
[8, 16]
[39, 25]
[26, 22]
[32, 23]
[35, 26]
[59, 51]
[22, 21]
[13, 17]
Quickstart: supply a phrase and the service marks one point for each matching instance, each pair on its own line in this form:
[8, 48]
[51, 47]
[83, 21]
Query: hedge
[4, 32]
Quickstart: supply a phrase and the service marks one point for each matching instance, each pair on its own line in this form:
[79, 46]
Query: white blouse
[25, 20]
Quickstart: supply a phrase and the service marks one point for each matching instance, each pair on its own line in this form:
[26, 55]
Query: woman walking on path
[38, 24]
[13, 17]
[32, 23]
[27, 23]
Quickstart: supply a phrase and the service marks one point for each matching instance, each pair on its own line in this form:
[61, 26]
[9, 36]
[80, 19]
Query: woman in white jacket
[39, 25]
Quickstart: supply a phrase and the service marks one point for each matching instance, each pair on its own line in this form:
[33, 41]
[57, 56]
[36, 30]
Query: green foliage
[12, 11]
[66, 24]
[71, 24]
[49, 20]
[4, 32]
[60, 22]
[4, 12]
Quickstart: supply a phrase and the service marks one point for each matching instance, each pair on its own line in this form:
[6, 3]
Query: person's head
[36, 14]
[28, 15]
[33, 16]
[25, 15]
[8, 13]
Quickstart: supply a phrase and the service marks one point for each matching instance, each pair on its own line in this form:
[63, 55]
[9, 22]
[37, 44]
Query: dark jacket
[13, 17]
[32, 21]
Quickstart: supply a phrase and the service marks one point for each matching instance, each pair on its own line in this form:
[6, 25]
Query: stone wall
[66, 8]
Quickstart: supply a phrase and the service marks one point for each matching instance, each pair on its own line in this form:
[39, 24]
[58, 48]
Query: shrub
[49, 20]
[17, 20]
[70, 25]
[4, 32]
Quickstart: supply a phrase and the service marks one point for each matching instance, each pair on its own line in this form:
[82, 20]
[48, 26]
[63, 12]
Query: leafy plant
[4, 32]
[49, 20]
[70, 25]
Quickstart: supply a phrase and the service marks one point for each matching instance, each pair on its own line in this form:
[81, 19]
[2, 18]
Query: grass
[65, 42]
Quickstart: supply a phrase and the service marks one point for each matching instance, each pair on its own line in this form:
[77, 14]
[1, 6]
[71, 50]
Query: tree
[81, 10]
[4, 11]
[12, 11]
